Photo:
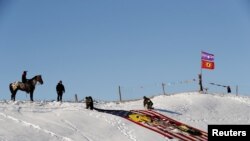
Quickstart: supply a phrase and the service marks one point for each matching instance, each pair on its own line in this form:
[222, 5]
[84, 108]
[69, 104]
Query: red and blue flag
[207, 60]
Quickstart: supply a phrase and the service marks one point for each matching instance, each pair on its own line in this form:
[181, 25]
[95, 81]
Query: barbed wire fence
[165, 88]
[127, 93]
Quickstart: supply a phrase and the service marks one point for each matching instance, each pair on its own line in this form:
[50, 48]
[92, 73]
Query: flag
[207, 61]
[207, 56]
[207, 65]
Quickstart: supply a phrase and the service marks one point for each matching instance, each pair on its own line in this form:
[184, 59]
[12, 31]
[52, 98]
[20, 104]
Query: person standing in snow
[147, 103]
[60, 90]
[228, 89]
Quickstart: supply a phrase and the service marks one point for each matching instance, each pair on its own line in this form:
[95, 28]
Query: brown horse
[28, 87]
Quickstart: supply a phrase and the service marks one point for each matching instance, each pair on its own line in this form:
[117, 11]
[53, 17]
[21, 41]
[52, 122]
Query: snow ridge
[68, 121]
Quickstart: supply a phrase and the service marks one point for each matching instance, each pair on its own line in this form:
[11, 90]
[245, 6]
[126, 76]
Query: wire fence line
[222, 89]
[137, 92]
[170, 88]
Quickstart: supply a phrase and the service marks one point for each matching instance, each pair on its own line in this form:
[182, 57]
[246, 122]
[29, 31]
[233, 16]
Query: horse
[28, 86]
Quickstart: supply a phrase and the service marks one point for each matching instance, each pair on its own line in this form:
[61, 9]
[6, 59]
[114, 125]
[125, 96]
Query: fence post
[163, 88]
[120, 94]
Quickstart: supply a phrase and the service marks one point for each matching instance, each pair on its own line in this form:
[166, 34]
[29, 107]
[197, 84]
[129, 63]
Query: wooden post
[120, 94]
[76, 99]
[200, 82]
[163, 88]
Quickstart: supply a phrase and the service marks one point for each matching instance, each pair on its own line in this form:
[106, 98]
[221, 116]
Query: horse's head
[39, 79]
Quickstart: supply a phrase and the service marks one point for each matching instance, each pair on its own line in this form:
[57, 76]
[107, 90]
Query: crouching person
[147, 103]
[89, 102]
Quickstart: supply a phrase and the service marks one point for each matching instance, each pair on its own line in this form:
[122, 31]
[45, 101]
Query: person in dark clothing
[60, 90]
[147, 103]
[24, 79]
[228, 89]
[89, 103]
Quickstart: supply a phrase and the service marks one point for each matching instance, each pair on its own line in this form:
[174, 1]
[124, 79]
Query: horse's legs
[13, 95]
[31, 96]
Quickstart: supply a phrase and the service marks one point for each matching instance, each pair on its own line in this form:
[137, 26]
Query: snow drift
[68, 121]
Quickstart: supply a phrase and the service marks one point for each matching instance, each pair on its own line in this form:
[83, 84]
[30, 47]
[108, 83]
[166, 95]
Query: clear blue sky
[95, 46]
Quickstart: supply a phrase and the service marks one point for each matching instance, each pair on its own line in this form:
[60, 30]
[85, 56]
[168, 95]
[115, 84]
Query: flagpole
[200, 77]
[207, 62]
[201, 67]
[201, 63]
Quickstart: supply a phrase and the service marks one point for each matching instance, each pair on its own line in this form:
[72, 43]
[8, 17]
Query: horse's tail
[11, 88]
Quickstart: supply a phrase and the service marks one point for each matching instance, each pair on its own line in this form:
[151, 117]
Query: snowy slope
[40, 121]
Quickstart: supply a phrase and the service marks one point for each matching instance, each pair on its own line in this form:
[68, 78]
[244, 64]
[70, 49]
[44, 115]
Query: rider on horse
[24, 79]
[27, 85]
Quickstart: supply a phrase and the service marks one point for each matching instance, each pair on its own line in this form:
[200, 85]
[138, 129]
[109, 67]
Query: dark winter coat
[60, 88]
[24, 79]
[89, 103]
[228, 89]
[147, 102]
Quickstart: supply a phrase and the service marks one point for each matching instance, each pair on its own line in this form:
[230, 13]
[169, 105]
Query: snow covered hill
[43, 121]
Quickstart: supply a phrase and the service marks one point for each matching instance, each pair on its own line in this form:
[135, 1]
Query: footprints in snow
[116, 122]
